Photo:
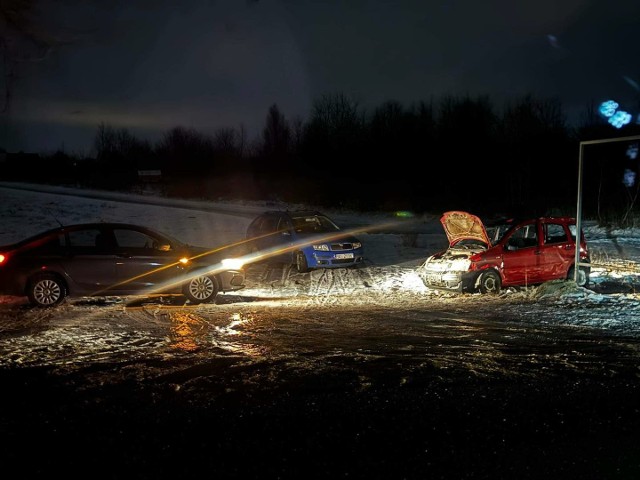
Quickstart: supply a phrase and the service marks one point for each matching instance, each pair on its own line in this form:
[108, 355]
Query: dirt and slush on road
[415, 388]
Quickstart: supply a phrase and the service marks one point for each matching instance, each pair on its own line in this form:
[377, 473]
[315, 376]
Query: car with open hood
[515, 253]
[304, 238]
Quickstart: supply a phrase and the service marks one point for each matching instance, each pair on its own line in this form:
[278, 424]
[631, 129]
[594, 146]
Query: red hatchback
[517, 253]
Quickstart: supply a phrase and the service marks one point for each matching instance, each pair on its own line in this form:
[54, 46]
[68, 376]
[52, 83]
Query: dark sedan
[114, 259]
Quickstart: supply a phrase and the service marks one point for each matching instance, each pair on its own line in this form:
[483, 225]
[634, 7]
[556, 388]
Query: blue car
[306, 239]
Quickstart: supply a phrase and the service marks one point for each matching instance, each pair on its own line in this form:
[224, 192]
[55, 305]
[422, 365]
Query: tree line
[457, 152]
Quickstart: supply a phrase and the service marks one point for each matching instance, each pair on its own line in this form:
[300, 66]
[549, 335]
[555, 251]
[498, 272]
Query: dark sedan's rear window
[83, 238]
[48, 245]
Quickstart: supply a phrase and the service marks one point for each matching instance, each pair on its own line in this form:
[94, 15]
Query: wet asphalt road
[265, 389]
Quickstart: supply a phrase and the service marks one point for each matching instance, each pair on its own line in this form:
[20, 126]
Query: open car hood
[463, 226]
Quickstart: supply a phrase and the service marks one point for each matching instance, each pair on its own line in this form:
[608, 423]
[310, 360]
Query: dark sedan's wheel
[583, 276]
[301, 263]
[201, 289]
[46, 290]
[490, 282]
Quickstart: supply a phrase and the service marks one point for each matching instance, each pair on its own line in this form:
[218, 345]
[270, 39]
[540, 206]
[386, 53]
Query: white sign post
[579, 202]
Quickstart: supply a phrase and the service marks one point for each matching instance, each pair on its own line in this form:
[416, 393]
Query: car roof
[98, 225]
[516, 220]
[294, 213]
[460, 225]
[77, 226]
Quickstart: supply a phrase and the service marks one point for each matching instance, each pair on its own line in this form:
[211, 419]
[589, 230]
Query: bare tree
[337, 113]
[297, 133]
[110, 142]
[104, 141]
[336, 126]
[242, 140]
[186, 152]
[224, 140]
[276, 134]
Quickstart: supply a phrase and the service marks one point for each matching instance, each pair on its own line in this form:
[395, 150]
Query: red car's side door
[556, 252]
[522, 263]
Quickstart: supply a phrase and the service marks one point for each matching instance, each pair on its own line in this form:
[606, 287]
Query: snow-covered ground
[358, 372]
[394, 247]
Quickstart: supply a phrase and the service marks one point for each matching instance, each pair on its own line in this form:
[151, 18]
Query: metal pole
[576, 261]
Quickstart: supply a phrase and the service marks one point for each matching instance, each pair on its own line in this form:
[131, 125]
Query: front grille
[436, 280]
[341, 246]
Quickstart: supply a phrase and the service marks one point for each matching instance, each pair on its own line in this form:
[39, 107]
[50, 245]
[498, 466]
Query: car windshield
[314, 224]
[496, 232]
[168, 239]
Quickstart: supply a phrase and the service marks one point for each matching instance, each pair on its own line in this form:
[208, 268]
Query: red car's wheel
[490, 282]
[583, 276]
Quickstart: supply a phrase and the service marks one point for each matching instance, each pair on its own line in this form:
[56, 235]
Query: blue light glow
[617, 118]
[608, 108]
[629, 178]
[620, 119]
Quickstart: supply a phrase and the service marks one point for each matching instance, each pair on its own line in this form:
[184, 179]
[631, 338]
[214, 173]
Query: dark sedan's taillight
[3, 258]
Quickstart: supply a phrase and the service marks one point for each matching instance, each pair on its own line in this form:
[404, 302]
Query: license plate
[342, 256]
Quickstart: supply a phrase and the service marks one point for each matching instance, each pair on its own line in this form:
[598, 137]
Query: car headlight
[232, 263]
[323, 247]
[460, 265]
[356, 245]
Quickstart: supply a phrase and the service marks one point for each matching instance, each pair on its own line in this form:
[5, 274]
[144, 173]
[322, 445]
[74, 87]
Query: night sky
[149, 65]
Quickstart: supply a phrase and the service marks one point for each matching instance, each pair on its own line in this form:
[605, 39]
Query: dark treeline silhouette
[454, 153]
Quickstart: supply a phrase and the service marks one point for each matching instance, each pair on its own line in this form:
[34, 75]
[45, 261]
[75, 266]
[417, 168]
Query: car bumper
[231, 280]
[449, 281]
[334, 259]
